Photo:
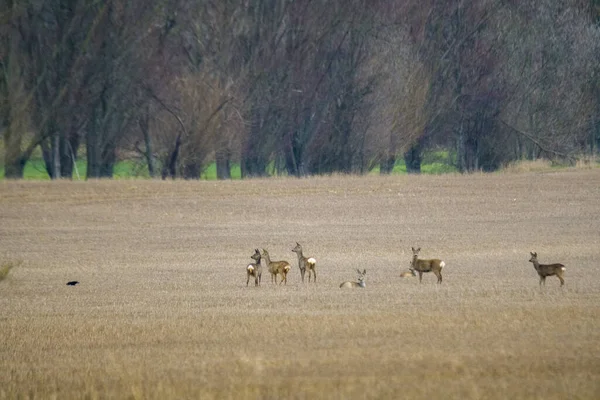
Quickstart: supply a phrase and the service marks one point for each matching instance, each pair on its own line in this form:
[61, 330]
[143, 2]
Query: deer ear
[419, 249]
[364, 272]
[413, 249]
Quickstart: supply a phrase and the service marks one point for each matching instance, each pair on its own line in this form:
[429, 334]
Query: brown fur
[359, 284]
[305, 263]
[545, 270]
[421, 266]
[276, 268]
[256, 270]
[408, 274]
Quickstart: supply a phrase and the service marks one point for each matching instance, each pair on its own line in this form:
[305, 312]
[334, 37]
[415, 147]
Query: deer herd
[417, 265]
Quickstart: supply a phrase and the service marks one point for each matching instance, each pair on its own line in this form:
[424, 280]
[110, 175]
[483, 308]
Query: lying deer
[422, 266]
[305, 263]
[545, 270]
[254, 269]
[360, 283]
[276, 268]
[408, 274]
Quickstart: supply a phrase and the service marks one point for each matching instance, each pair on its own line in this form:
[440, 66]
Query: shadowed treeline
[295, 87]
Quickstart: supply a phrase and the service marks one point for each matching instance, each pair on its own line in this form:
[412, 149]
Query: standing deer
[305, 263]
[422, 266]
[254, 269]
[545, 270]
[276, 267]
[360, 283]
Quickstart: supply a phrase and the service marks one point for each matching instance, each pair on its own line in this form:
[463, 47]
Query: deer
[422, 266]
[360, 283]
[408, 274]
[254, 269]
[276, 267]
[545, 270]
[305, 263]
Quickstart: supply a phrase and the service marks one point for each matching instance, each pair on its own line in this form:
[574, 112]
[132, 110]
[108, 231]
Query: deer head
[533, 257]
[298, 248]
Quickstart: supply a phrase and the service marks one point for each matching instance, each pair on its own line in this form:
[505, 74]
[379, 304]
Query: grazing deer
[360, 283]
[422, 266]
[254, 269]
[545, 270]
[277, 267]
[408, 274]
[305, 263]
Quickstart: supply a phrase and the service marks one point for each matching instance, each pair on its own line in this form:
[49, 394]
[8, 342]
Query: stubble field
[162, 309]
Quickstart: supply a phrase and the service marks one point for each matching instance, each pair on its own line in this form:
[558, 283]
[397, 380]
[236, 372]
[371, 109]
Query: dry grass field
[162, 309]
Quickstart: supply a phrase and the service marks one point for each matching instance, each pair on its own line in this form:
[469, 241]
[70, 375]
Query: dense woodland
[297, 87]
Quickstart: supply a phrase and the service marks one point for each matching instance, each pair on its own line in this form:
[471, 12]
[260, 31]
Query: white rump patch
[442, 264]
[287, 268]
[563, 268]
[251, 268]
[311, 261]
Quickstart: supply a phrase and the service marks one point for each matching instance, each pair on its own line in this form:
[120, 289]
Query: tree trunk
[56, 155]
[292, 153]
[47, 156]
[145, 128]
[389, 158]
[387, 164]
[68, 154]
[170, 167]
[223, 164]
[191, 170]
[253, 162]
[413, 158]
[14, 161]
[93, 148]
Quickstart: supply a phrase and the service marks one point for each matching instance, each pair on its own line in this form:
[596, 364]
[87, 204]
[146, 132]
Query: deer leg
[315, 275]
[562, 281]
[420, 276]
[439, 276]
[247, 279]
[302, 272]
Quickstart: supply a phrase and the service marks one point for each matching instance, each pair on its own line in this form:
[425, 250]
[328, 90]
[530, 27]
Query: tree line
[299, 87]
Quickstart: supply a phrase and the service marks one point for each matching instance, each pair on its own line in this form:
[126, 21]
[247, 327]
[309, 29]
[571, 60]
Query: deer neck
[300, 256]
[267, 259]
[415, 260]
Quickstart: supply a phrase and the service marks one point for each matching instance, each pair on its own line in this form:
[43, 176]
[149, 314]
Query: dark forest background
[298, 87]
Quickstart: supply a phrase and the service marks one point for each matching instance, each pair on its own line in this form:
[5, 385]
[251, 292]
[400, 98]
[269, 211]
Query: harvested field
[162, 309]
